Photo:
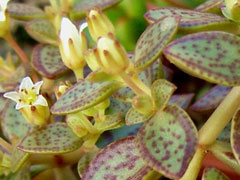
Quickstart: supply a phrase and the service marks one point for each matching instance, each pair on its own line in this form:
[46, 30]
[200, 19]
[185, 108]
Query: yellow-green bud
[233, 7]
[143, 104]
[91, 60]
[111, 56]
[4, 18]
[98, 24]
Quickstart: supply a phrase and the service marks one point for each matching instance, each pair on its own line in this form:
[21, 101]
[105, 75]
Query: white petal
[41, 101]
[82, 27]
[2, 16]
[21, 105]
[12, 95]
[3, 7]
[37, 86]
[26, 83]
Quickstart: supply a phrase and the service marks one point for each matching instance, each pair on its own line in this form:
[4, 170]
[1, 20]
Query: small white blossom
[3, 7]
[27, 95]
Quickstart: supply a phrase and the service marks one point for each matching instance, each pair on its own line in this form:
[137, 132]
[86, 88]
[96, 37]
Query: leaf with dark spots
[119, 160]
[168, 141]
[211, 99]
[182, 100]
[135, 117]
[83, 95]
[235, 135]
[117, 106]
[210, 6]
[212, 56]
[54, 139]
[22, 11]
[18, 159]
[47, 61]
[192, 21]
[211, 173]
[224, 136]
[151, 43]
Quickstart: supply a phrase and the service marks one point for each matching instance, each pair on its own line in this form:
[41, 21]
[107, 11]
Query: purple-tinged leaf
[212, 56]
[223, 152]
[209, 6]
[83, 95]
[18, 159]
[110, 122]
[235, 135]
[23, 11]
[211, 99]
[42, 30]
[54, 139]
[118, 106]
[168, 141]
[119, 160]
[14, 126]
[211, 173]
[47, 61]
[182, 100]
[192, 21]
[224, 136]
[135, 117]
[153, 40]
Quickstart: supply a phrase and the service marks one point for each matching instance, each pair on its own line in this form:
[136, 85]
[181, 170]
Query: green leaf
[209, 6]
[80, 9]
[212, 56]
[168, 141]
[192, 21]
[224, 136]
[83, 95]
[54, 139]
[110, 121]
[18, 159]
[24, 12]
[117, 106]
[42, 30]
[22, 174]
[211, 99]
[119, 160]
[3, 102]
[161, 91]
[151, 43]
[182, 100]
[211, 173]
[47, 61]
[14, 125]
[223, 152]
[235, 135]
[135, 117]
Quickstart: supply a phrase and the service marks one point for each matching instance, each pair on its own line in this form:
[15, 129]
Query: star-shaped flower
[27, 95]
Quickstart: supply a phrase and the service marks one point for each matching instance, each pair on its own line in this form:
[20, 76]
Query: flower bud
[91, 60]
[4, 18]
[111, 56]
[62, 88]
[98, 24]
[72, 44]
[233, 8]
[143, 104]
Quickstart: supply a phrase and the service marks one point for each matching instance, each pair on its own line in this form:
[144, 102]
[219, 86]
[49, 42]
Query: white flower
[3, 7]
[27, 95]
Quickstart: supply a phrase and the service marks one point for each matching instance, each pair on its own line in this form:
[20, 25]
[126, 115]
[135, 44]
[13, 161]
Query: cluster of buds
[30, 102]
[4, 18]
[62, 88]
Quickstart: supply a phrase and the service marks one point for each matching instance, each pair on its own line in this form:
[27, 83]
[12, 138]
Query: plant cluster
[85, 107]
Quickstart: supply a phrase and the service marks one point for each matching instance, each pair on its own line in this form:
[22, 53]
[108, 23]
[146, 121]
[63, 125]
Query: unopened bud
[233, 8]
[91, 60]
[61, 89]
[4, 18]
[143, 104]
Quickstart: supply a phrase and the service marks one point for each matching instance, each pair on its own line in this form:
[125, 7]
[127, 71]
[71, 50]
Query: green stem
[47, 85]
[220, 118]
[78, 73]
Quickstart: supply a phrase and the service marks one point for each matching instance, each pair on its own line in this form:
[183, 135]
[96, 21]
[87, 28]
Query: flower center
[28, 96]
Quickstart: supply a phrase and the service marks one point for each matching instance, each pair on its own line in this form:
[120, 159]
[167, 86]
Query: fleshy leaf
[168, 141]
[42, 31]
[54, 139]
[211, 99]
[225, 134]
[211, 173]
[212, 56]
[182, 100]
[151, 43]
[118, 106]
[18, 159]
[110, 122]
[25, 12]
[162, 90]
[209, 6]
[135, 117]
[83, 95]
[192, 21]
[14, 125]
[223, 152]
[47, 61]
[235, 135]
[119, 160]
[81, 8]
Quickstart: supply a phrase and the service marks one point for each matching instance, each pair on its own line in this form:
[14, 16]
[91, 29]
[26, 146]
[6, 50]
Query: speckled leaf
[225, 134]
[153, 40]
[83, 95]
[211, 173]
[81, 8]
[211, 99]
[23, 11]
[119, 160]
[117, 106]
[47, 61]
[235, 135]
[223, 152]
[168, 141]
[14, 125]
[18, 159]
[135, 117]
[209, 6]
[22, 174]
[54, 139]
[110, 121]
[42, 31]
[212, 56]
[192, 21]
[161, 91]
[182, 100]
